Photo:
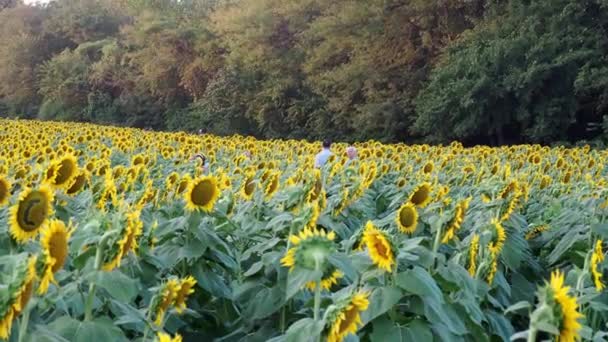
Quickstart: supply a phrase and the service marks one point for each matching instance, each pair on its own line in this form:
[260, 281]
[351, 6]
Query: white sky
[29, 2]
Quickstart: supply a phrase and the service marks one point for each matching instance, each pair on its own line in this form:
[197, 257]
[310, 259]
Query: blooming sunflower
[162, 337]
[31, 212]
[54, 243]
[347, 318]
[186, 288]
[5, 191]
[128, 240]
[378, 246]
[317, 187]
[78, 182]
[273, 185]
[310, 249]
[65, 170]
[248, 187]
[202, 193]
[407, 218]
[421, 195]
[596, 258]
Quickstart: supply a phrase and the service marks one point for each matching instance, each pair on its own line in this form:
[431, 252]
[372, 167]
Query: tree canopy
[479, 71]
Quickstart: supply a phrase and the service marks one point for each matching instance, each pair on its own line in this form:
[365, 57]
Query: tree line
[477, 71]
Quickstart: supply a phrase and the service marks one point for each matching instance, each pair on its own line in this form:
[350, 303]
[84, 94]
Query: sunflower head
[248, 187]
[345, 318]
[310, 249]
[164, 299]
[31, 212]
[162, 337]
[379, 247]
[563, 308]
[202, 193]
[65, 169]
[54, 243]
[421, 195]
[407, 218]
[5, 191]
[186, 288]
[79, 182]
[498, 237]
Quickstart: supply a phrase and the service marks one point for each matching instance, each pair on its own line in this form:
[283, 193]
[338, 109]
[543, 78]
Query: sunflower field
[117, 234]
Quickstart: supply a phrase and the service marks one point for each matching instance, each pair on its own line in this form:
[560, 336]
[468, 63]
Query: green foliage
[479, 71]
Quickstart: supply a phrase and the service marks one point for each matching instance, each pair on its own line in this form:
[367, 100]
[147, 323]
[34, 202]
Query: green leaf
[419, 282]
[97, 330]
[600, 229]
[518, 306]
[255, 268]
[211, 281]
[443, 312]
[381, 300]
[500, 325]
[118, 285]
[297, 278]
[304, 330]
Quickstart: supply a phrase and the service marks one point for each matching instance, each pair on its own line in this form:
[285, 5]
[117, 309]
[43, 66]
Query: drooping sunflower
[534, 232]
[54, 242]
[273, 185]
[498, 237]
[202, 193]
[457, 220]
[167, 294]
[421, 195]
[596, 258]
[22, 288]
[347, 317]
[473, 255]
[564, 306]
[317, 187]
[545, 181]
[5, 191]
[407, 218]
[379, 247]
[127, 241]
[186, 288]
[330, 278]
[31, 212]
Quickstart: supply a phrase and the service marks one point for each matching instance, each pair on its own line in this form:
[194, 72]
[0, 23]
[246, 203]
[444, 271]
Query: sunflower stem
[88, 308]
[436, 244]
[148, 319]
[24, 323]
[317, 291]
[284, 309]
[532, 334]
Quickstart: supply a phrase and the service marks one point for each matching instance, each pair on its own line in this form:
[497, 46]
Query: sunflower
[128, 240]
[512, 206]
[310, 249]
[565, 308]
[30, 212]
[421, 195]
[54, 243]
[330, 278]
[534, 232]
[64, 172]
[23, 289]
[401, 182]
[186, 288]
[5, 191]
[596, 258]
[379, 247]
[545, 181]
[273, 185]
[166, 297]
[347, 319]
[162, 337]
[428, 167]
[317, 187]
[473, 255]
[461, 209]
[407, 218]
[202, 193]
[512, 187]
[499, 237]
[78, 182]
[248, 187]
[493, 267]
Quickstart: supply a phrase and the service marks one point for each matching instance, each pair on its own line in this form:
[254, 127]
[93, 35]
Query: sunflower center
[420, 196]
[65, 171]
[32, 211]
[4, 191]
[58, 249]
[380, 248]
[249, 186]
[78, 184]
[406, 217]
[26, 294]
[202, 193]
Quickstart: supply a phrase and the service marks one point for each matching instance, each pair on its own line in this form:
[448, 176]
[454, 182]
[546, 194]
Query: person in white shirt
[204, 162]
[322, 157]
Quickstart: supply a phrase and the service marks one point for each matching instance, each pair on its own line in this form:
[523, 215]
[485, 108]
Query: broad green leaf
[381, 300]
[117, 284]
[419, 282]
[304, 330]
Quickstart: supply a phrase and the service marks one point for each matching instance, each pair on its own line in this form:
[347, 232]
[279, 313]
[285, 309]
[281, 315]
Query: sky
[29, 2]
